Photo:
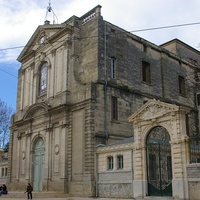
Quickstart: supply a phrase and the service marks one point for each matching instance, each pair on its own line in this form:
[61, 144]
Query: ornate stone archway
[172, 118]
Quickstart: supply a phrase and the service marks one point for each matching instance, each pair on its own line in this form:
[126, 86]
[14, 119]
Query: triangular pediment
[41, 37]
[154, 109]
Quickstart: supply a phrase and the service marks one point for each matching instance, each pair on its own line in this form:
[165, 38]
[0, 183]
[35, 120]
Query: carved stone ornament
[42, 56]
[57, 149]
[154, 111]
[23, 155]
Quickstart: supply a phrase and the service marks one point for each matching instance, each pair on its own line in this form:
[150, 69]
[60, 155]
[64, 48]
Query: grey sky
[20, 18]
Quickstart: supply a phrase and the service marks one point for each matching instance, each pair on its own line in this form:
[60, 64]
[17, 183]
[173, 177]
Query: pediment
[40, 37]
[153, 109]
[36, 110]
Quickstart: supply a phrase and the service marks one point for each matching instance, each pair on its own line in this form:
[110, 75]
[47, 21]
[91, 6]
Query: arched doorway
[159, 164]
[38, 165]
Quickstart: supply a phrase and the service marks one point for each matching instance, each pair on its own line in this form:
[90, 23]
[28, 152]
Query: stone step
[35, 195]
[157, 198]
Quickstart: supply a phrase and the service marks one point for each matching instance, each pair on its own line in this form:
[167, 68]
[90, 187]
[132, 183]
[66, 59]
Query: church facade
[82, 84]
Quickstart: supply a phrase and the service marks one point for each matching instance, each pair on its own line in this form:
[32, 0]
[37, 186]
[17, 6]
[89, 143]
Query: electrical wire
[139, 30]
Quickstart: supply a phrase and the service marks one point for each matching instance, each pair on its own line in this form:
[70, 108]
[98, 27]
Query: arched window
[43, 79]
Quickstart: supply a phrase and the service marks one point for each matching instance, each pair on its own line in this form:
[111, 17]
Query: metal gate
[159, 164]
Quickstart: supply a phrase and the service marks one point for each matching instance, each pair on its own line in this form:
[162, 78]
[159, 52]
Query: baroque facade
[78, 84]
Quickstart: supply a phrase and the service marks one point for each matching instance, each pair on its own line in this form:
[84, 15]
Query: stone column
[48, 157]
[28, 157]
[63, 156]
[138, 182]
[19, 157]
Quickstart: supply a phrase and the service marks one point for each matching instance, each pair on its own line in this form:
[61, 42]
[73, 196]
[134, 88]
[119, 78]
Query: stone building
[3, 166]
[78, 84]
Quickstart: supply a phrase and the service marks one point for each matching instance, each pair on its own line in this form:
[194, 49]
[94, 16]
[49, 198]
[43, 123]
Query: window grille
[194, 143]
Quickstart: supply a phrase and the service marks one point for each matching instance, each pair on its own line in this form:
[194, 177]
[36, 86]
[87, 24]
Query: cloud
[19, 19]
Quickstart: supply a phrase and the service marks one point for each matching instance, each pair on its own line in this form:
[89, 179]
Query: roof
[127, 140]
[181, 43]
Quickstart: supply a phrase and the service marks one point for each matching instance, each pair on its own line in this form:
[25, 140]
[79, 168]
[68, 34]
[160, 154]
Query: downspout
[162, 76]
[97, 178]
[105, 85]
[132, 177]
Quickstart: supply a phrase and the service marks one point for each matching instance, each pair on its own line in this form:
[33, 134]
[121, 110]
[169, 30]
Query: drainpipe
[105, 109]
[105, 85]
[132, 177]
[162, 76]
[97, 179]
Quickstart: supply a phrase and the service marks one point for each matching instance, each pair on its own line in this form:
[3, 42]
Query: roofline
[180, 42]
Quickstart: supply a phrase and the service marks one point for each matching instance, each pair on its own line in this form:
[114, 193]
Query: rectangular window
[120, 163]
[114, 108]
[198, 99]
[181, 85]
[146, 72]
[2, 172]
[110, 162]
[113, 67]
[6, 171]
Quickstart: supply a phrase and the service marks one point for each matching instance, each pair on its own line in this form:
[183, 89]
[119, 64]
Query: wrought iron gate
[159, 165]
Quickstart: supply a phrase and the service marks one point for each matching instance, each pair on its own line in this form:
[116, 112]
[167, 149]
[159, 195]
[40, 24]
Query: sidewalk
[68, 198]
[50, 196]
[21, 196]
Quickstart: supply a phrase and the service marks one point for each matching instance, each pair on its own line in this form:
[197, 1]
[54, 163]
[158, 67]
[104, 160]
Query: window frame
[6, 171]
[110, 162]
[2, 172]
[181, 85]
[146, 72]
[43, 78]
[114, 108]
[120, 162]
[112, 67]
[198, 99]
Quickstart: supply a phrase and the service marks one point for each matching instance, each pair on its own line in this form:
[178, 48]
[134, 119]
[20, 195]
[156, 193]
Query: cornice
[27, 56]
[121, 147]
[68, 29]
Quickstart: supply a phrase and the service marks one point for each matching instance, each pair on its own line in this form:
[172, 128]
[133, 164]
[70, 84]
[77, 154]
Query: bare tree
[5, 117]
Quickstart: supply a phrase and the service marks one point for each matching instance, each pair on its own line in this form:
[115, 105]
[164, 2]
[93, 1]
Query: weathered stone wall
[193, 173]
[115, 182]
[117, 190]
[181, 49]
[130, 50]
